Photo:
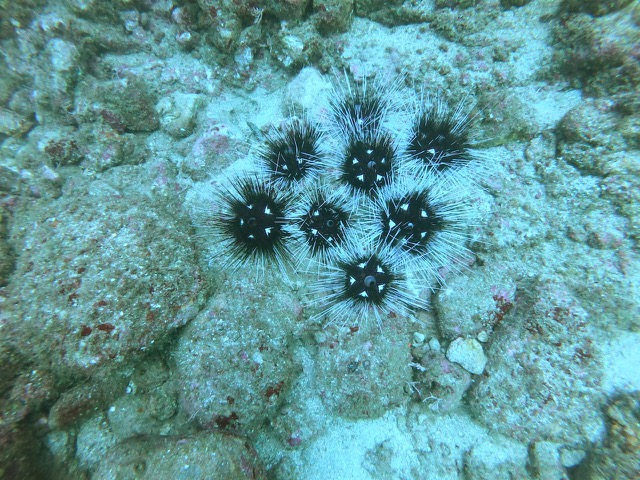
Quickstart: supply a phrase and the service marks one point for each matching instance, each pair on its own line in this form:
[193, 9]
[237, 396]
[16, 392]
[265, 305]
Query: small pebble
[483, 336]
[13, 124]
[545, 458]
[468, 354]
[434, 344]
[50, 175]
[418, 339]
[178, 113]
[570, 458]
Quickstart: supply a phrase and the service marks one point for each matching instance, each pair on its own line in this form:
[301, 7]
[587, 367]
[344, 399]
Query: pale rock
[177, 113]
[307, 91]
[468, 353]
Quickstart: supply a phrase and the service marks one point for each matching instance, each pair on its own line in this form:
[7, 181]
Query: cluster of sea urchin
[373, 205]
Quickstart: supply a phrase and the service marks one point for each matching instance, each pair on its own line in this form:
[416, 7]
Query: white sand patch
[426, 446]
[621, 359]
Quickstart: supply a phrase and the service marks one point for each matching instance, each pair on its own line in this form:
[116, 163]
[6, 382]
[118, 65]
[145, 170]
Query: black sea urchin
[292, 154]
[365, 280]
[368, 162]
[426, 220]
[410, 221]
[253, 222]
[364, 107]
[440, 137]
[322, 220]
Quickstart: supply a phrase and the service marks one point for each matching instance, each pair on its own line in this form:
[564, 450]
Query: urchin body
[322, 222]
[368, 162]
[410, 220]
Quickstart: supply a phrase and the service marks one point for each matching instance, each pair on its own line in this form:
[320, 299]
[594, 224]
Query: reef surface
[128, 350]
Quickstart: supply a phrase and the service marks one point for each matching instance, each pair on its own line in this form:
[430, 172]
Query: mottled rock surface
[619, 457]
[362, 374]
[546, 345]
[233, 360]
[185, 90]
[199, 457]
[102, 275]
